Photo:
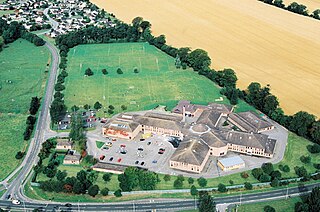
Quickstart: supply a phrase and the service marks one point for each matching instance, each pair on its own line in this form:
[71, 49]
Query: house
[72, 157]
[227, 164]
[63, 144]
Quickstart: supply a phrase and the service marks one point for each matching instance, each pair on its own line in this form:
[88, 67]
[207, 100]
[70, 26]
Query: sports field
[158, 80]
[260, 42]
[23, 76]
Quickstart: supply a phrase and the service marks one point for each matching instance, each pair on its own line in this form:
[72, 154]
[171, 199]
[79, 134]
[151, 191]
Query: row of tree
[31, 119]
[294, 7]
[14, 30]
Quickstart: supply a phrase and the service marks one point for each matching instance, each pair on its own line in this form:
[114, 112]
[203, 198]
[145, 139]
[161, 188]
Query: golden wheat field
[260, 42]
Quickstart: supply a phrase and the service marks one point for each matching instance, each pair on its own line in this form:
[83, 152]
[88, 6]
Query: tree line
[14, 30]
[294, 7]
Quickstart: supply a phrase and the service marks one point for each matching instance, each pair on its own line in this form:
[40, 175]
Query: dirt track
[260, 42]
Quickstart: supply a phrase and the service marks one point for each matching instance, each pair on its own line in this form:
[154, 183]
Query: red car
[102, 157]
[161, 151]
[119, 160]
[122, 145]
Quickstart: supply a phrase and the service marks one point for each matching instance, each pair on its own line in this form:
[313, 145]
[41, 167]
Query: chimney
[183, 114]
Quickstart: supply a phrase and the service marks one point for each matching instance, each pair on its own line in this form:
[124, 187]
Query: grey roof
[223, 108]
[72, 157]
[200, 128]
[212, 140]
[184, 103]
[209, 118]
[109, 166]
[227, 162]
[160, 120]
[191, 151]
[250, 121]
[126, 126]
[255, 140]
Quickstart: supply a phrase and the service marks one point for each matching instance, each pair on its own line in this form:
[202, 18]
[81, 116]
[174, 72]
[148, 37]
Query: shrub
[248, 186]
[119, 71]
[190, 180]
[316, 165]
[123, 107]
[275, 182]
[222, 188]
[305, 159]
[104, 71]
[167, 177]
[19, 155]
[268, 208]
[107, 177]
[231, 182]
[245, 175]
[257, 172]
[264, 178]
[117, 193]
[267, 168]
[93, 190]
[202, 182]
[88, 72]
[315, 148]
[135, 70]
[97, 105]
[104, 192]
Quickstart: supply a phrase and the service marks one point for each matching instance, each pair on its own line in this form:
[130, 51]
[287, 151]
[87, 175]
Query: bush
[284, 168]
[275, 182]
[248, 186]
[315, 148]
[231, 182]
[93, 190]
[257, 172]
[202, 182]
[244, 175]
[316, 165]
[19, 155]
[135, 70]
[97, 105]
[268, 208]
[88, 72]
[264, 178]
[267, 168]
[107, 177]
[167, 177]
[178, 183]
[119, 71]
[123, 107]
[117, 193]
[104, 192]
[305, 159]
[104, 71]
[222, 188]
[190, 180]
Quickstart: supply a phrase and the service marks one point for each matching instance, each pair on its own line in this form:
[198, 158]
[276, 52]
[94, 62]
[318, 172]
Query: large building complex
[204, 131]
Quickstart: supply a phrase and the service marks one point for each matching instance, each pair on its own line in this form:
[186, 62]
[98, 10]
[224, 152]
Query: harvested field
[260, 42]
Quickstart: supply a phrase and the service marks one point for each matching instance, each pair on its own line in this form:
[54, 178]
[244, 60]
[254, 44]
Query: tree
[86, 107]
[206, 203]
[58, 95]
[117, 193]
[147, 180]
[315, 148]
[19, 155]
[257, 172]
[111, 107]
[57, 110]
[167, 177]
[286, 168]
[264, 178]
[267, 168]
[315, 131]
[275, 174]
[107, 177]
[104, 71]
[248, 186]
[314, 200]
[123, 107]
[301, 122]
[226, 78]
[301, 171]
[97, 105]
[275, 182]
[222, 187]
[202, 182]
[305, 159]
[316, 14]
[74, 108]
[244, 175]
[34, 105]
[268, 208]
[61, 175]
[178, 183]
[76, 132]
[199, 60]
[119, 71]
[190, 180]
[193, 191]
[104, 192]
[88, 72]
[135, 70]
[93, 190]
[279, 3]
[145, 25]
[271, 103]
[59, 87]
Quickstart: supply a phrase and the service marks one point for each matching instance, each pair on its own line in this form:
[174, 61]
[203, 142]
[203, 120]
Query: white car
[16, 202]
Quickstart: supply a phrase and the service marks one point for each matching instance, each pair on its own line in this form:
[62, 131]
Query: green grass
[282, 205]
[296, 147]
[99, 144]
[24, 65]
[158, 80]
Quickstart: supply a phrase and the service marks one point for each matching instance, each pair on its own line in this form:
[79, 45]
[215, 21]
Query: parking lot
[151, 153]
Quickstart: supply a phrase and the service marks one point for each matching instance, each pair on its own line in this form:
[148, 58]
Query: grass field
[282, 205]
[297, 146]
[22, 76]
[260, 42]
[158, 80]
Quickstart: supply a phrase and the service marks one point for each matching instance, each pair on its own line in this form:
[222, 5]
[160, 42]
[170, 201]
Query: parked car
[142, 139]
[105, 148]
[123, 152]
[154, 161]
[111, 159]
[68, 205]
[140, 149]
[16, 202]
[161, 151]
[119, 160]
[114, 139]
[142, 163]
[149, 143]
[109, 144]
[122, 145]
[137, 162]
[102, 157]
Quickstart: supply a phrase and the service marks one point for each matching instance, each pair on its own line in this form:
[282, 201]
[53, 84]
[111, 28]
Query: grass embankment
[296, 146]
[158, 80]
[282, 205]
[23, 76]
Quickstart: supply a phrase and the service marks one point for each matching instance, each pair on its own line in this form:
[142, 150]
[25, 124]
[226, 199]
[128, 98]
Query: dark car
[142, 163]
[149, 143]
[142, 139]
[111, 159]
[68, 205]
[140, 149]
[137, 162]
[161, 151]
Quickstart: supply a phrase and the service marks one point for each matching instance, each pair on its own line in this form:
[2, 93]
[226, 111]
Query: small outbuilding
[72, 158]
[232, 163]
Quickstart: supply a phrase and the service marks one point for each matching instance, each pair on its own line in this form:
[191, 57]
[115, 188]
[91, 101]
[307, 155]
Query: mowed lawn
[23, 76]
[158, 80]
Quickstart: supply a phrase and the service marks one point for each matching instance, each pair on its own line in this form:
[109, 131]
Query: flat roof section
[229, 162]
